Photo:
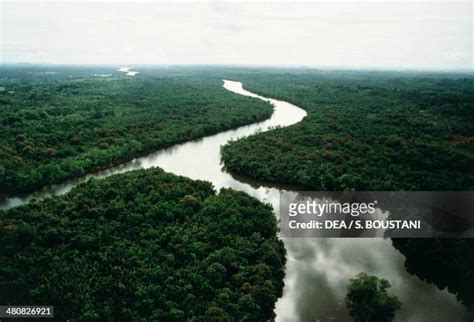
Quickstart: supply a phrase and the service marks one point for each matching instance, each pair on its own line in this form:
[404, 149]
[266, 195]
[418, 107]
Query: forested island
[145, 245]
[364, 131]
[63, 122]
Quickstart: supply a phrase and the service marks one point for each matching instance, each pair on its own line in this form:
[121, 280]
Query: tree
[190, 264]
[368, 301]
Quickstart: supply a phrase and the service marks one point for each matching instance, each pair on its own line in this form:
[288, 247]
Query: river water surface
[317, 270]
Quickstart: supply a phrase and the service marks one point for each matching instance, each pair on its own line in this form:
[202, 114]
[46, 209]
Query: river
[317, 270]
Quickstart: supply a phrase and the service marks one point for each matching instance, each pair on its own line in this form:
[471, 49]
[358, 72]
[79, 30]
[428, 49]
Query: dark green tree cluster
[364, 131]
[368, 300]
[448, 263]
[65, 122]
[145, 245]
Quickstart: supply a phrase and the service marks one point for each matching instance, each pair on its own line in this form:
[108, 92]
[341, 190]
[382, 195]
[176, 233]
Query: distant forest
[62, 122]
[145, 245]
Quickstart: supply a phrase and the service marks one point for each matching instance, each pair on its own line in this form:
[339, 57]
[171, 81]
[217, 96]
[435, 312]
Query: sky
[348, 34]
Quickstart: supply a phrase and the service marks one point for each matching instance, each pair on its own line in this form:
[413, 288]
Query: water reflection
[317, 269]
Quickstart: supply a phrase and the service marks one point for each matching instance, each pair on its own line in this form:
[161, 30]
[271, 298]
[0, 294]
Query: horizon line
[295, 66]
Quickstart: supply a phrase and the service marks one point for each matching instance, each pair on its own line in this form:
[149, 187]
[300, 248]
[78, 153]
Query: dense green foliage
[143, 245]
[445, 262]
[61, 122]
[368, 300]
[364, 131]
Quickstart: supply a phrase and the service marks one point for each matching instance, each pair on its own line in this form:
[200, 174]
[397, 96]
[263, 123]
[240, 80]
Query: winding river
[317, 270]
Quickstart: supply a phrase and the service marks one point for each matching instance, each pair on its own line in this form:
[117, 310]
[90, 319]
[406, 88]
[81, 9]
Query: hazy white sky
[346, 34]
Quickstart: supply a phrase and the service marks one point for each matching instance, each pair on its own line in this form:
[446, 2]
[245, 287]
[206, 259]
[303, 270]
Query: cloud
[345, 34]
